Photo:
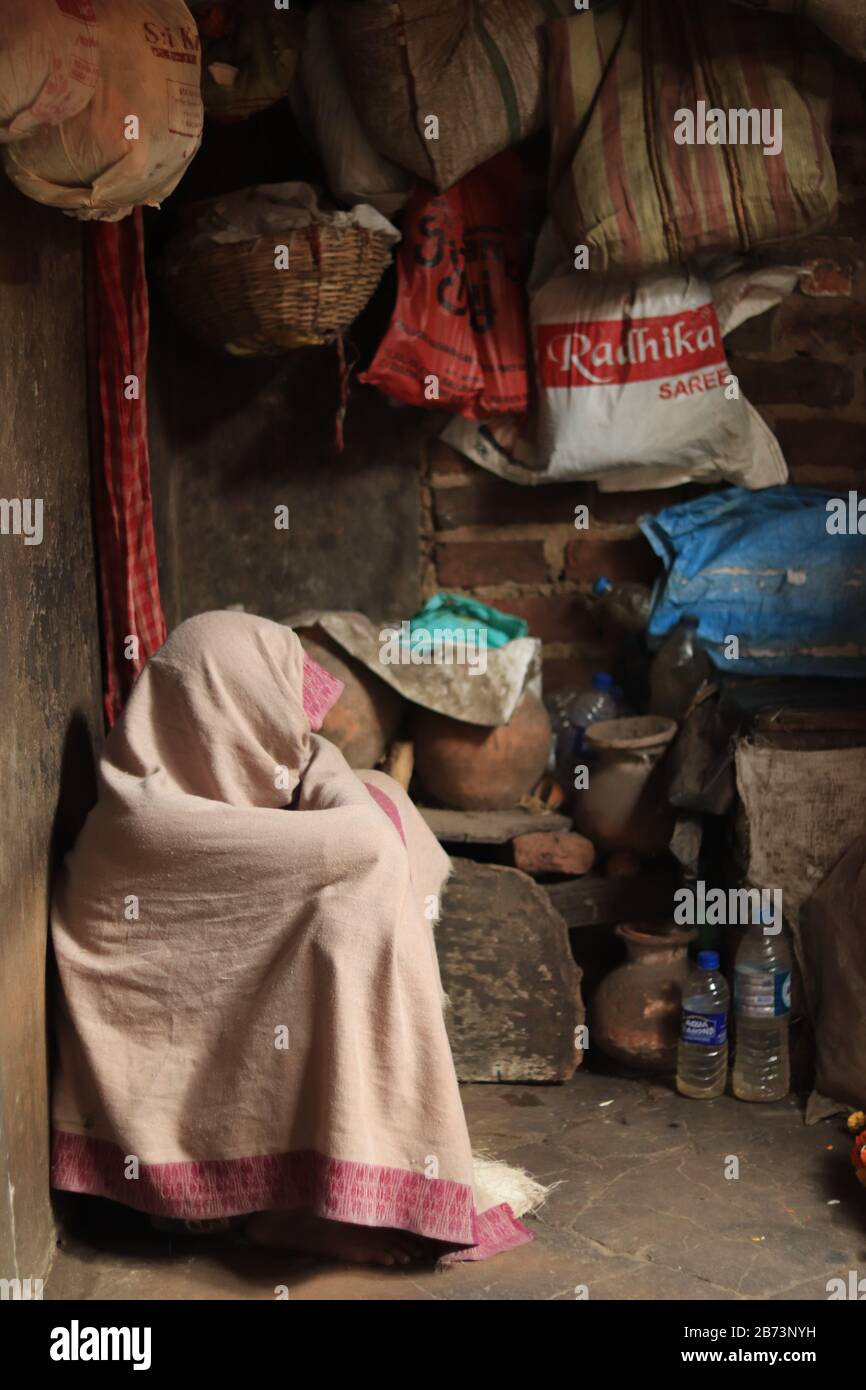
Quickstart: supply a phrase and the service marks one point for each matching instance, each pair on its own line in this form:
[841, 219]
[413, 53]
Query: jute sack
[355, 172]
[132, 143]
[475, 66]
[621, 182]
[844, 21]
[49, 63]
[833, 940]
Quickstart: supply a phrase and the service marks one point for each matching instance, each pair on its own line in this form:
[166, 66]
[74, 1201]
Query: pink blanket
[250, 1015]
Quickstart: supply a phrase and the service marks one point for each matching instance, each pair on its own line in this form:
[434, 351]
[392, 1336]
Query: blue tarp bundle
[764, 567]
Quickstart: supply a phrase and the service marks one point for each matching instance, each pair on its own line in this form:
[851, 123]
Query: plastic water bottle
[679, 670]
[762, 1008]
[626, 604]
[578, 712]
[702, 1056]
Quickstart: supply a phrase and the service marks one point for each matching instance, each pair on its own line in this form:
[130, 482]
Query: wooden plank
[792, 720]
[488, 827]
[596, 901]
[508, 971]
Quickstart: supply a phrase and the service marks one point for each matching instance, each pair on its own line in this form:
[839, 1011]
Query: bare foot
[307, 1234]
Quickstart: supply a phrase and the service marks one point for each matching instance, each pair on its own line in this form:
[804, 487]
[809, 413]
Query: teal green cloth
[450, 612]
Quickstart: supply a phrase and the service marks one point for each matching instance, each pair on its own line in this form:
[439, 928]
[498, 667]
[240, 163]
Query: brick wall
[802, 364]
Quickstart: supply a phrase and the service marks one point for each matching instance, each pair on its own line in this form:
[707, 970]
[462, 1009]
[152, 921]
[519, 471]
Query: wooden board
[593, 901]
[488, 827]
[508, 971]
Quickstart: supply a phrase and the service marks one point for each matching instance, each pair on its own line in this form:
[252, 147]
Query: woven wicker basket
[234, 297]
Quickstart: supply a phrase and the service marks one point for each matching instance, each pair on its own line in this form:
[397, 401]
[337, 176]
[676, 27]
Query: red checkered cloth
[129, 586]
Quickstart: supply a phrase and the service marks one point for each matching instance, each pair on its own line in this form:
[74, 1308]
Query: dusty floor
[643, 1210]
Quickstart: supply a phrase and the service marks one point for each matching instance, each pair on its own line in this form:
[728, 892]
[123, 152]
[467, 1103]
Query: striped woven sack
[443, 85]
[844, 21]
[623, 185]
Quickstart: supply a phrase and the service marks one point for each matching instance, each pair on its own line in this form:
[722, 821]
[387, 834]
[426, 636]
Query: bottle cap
[602, 680]
[708, 960]
[601, 585]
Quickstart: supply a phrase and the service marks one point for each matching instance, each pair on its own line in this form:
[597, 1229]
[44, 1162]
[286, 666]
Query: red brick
[849, 156]
[827, 280]
[553, 617]
[755, 335]
[796, 381]
[822, 444]
[576, 672]
[490, 501]
[587, 559]
[447, 462]
[828, 259]
[851, 219]
[468, 564]
[553, 852]
[813, 325]
[849, 99]
[625, 507]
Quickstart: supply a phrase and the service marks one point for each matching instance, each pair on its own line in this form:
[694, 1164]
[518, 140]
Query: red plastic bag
[457, 339]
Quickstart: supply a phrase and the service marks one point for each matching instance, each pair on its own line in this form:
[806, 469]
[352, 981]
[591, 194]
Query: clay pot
[471, 767]
[365, 718]
[635, 1014]
[625, 805]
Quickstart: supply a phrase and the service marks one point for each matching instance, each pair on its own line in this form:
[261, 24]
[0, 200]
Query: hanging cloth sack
[639, 94]
[49, 63]
[132, 143]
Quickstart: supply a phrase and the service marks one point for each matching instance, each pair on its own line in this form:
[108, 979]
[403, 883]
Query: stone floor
[642, 1209]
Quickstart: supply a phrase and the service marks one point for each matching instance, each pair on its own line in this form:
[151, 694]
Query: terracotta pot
[365, 718]
[625, 805]
[635, 1014]
[471, 767]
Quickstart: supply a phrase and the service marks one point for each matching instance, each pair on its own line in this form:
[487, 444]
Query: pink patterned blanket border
[338, 1189]
[321, 691]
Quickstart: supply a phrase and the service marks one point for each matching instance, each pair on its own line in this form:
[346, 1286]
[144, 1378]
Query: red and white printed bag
[634, 388]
